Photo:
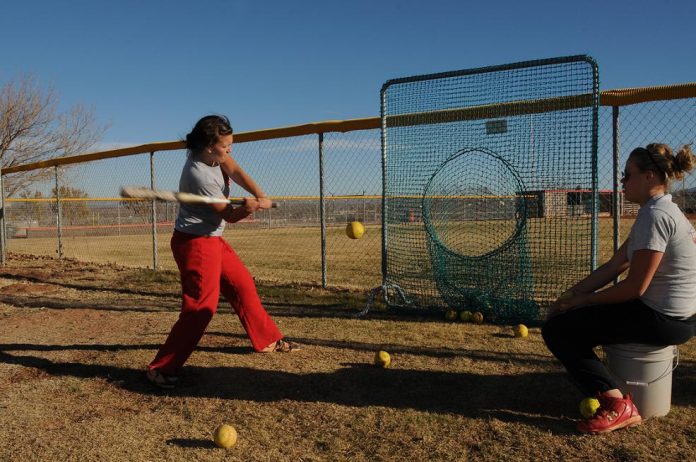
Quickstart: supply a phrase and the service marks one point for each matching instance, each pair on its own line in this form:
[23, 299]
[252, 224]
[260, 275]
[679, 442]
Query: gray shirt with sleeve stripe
[661, 226]
[197, 177]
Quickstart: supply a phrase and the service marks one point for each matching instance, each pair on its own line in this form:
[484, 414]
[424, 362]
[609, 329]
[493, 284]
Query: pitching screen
[473, 163]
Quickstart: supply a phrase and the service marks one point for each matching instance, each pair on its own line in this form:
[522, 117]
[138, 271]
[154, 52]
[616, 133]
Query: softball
[521, 330]
[477, 317]
[382, 359]
[588, 407]
[225, 436]
[451, 315]
[465, 316]
[355, 230]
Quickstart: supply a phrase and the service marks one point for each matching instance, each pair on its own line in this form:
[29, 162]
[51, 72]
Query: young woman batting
[207, 264]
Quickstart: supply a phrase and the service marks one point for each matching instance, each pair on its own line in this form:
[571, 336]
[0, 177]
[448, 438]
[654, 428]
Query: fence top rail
[618, 97]
[628, 96]
[242, 137]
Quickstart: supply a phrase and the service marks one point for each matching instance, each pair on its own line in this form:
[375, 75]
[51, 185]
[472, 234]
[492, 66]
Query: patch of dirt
[74, 273]
[27, 288]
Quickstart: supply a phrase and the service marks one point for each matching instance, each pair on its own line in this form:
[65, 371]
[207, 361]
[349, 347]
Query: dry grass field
[76, 337]
[293, 255]
[288, 255]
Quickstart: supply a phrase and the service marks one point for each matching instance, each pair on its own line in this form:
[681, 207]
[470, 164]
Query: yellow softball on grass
[588, 407]
[521, 330]
[465, 316]
[225, 436]
[382, 359]
[355, 230]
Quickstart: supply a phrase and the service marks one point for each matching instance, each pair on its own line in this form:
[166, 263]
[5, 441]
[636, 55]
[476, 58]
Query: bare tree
[32, 130]
[74, 212]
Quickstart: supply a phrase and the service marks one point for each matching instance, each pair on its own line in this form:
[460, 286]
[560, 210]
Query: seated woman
[654, 304]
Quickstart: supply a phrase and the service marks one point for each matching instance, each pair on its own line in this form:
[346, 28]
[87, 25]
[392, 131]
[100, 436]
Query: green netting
[475, 217]
[481, 172]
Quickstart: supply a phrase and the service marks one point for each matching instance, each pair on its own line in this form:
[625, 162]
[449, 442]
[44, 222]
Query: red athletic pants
[209, 266]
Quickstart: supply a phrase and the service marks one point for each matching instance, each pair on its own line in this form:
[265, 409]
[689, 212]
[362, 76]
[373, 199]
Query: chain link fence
[672, 122]
[321, 180]
[87, 220]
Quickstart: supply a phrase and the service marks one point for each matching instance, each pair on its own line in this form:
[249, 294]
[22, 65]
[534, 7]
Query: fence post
[322, 215]
[155, 259]
[364, 217]
[616, 208]
[3, 239]
[59, 215]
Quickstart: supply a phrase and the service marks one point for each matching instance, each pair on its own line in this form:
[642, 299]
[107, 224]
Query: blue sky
[151, 68]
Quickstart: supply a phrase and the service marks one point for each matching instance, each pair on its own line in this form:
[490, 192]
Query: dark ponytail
[207, 132]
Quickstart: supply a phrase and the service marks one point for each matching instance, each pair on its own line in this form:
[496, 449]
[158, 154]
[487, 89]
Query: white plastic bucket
[647, 372]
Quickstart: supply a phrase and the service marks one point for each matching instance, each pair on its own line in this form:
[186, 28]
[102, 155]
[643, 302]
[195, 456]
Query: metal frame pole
[595, 166]
[155, 256]
[322, 211]
[59, 215]
[3, 231]
[615, 158]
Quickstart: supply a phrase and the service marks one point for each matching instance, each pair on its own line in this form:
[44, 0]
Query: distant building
[574, 202]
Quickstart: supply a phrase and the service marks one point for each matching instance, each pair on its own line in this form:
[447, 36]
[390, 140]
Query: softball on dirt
[477, 317]
[451, 315]
[382, 359]
[588, 407]
[355, 230]
[465, 316]
[225, 436]
[521, 330]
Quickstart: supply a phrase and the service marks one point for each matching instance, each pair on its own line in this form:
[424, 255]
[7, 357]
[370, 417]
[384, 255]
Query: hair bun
[684, 160]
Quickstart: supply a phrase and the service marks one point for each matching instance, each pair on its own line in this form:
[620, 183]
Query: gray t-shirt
[199, 178]
[662, 227]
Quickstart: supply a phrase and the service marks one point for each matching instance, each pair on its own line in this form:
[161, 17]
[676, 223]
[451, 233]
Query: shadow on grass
[293, 300]
[21, 274]
[168, 304]
[172, 304]
[395, 350]
[543, 400]
[192, 443]
[43, 302]
[477, 396]
[238, 350]
[283, 301]
[293, 304]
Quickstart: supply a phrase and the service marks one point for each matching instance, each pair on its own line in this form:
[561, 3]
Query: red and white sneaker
[613, 413]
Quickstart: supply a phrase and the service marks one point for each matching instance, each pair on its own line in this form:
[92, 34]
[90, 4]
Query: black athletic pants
[571, 337]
